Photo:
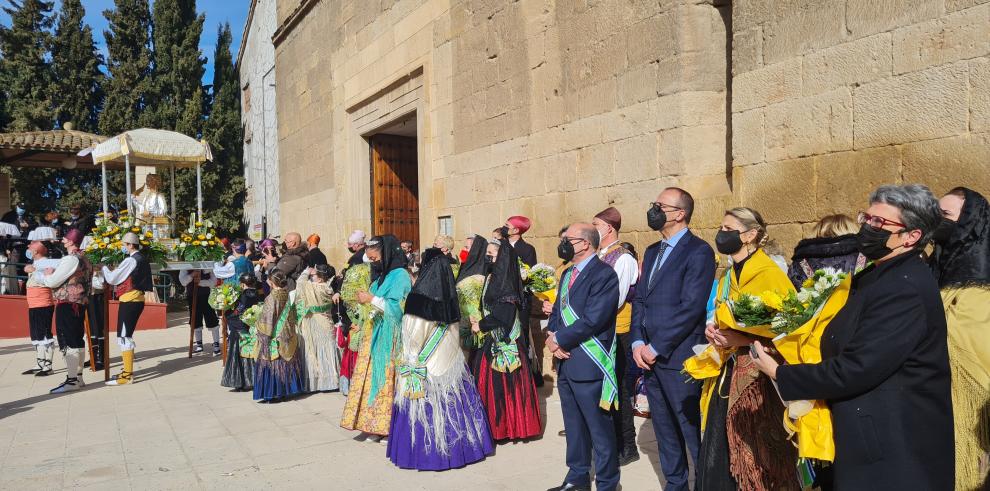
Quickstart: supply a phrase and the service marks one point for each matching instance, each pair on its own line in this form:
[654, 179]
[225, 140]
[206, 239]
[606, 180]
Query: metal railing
[162, 282]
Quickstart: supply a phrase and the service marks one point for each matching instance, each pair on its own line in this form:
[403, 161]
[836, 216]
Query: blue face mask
[20, 211]
[28, 254]
[123, 249]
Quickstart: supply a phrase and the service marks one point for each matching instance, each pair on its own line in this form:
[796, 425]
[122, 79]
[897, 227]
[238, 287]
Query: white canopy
[160, 148]
[146, 146]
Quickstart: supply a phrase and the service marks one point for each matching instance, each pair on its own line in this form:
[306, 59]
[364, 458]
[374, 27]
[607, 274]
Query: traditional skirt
[278, 378]
[510, 399]
[413, 442]
[319, 350]
[238, 372]
[360, 414]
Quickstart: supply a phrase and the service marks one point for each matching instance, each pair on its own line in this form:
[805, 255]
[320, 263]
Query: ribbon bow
[415, 378]
[505, 357]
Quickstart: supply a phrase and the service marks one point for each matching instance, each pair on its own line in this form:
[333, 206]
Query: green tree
[78, 95]
[26, 81]
[128, 64]
[176, 97]
[225, 175]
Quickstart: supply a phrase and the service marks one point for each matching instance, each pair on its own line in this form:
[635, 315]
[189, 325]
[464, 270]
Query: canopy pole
[199, 191]
[174, 211]
[127, 181]
[106, 203]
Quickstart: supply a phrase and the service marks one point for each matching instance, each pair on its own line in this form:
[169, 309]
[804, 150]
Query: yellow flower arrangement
[196, 242]
[107, 243]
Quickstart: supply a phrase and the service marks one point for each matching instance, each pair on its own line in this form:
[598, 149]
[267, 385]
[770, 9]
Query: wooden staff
[89, 341]
[192, 311]
[107, 291]
[223, 330]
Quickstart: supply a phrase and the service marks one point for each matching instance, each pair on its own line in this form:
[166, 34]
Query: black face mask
[504, 231]
[943, 233]
[656, 218]
[873, 242]
[565, 250]
[728, 242]
[489, 264]
[377, 265]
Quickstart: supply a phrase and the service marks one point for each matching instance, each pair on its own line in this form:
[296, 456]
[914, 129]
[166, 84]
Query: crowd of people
[441, 375]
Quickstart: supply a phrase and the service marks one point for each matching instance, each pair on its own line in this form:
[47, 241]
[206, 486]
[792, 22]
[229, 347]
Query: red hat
[520, 222]
[610, 216]
[75, 236]
[226, 243]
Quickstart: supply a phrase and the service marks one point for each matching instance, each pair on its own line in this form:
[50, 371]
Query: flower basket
[105, 248]
[224, 297]
[199, 242]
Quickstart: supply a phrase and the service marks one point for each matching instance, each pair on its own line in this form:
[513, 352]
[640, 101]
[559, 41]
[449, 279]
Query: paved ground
[176, 428]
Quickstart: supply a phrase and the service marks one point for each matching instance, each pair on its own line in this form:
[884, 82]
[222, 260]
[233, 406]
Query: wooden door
[395, 187]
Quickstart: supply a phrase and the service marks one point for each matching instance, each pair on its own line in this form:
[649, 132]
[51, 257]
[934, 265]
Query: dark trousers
[69, 325]
[676, 416]
[205, 315]
[589, 429]
[128, 314]
[40, 323]
[625, 426]
[96, 316]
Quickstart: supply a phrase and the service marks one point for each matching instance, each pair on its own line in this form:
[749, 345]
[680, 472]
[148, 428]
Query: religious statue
[150, 206]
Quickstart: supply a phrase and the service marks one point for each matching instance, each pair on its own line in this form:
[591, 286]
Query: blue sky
[217, 12]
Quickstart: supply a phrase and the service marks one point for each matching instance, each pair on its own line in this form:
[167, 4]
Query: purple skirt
[277, 379]
[418, 452]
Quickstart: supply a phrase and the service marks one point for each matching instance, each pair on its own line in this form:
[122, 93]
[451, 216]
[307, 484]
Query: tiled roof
[50, 141]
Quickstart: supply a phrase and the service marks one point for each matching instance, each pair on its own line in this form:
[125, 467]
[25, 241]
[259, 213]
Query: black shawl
[434, 297]
[504, 285]
[475, 262]
[392, 257]
[965, 259]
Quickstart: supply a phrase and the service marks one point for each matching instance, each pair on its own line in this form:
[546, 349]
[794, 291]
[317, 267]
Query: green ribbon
[505, 355]
[273, 345]
[415, 375]
[302, 311]
[604, 359]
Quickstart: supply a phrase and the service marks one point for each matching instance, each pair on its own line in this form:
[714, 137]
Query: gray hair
[919, 207]
[588, 233]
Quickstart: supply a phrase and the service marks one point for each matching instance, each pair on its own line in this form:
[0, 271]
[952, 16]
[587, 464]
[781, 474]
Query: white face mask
[365, 258]
[28, 254]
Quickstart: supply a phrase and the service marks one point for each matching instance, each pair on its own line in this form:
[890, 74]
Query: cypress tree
[26, 81]
[128, 64]
[176, 101]
[225, 202]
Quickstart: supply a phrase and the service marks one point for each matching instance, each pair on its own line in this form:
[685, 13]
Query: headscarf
[505, 284]
[475, 262]
[434, 296]
[392, 257]
[965, 259]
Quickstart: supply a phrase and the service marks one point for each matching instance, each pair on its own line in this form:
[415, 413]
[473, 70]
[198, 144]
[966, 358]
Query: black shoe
[626, 458]
[216, 349]
[31, 371]
[43, 373]
[571, 487]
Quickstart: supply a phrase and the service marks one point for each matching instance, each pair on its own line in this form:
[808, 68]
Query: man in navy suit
[582, 333]
[668, 319]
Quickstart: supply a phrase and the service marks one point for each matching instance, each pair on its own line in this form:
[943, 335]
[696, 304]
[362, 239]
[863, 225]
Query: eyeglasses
[572, 239]
[876, 222]
[664, 205]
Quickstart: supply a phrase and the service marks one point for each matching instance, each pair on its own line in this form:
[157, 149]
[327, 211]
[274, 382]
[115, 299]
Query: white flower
[191, 230]
[804, 296]
[209, 236]
[106, 240]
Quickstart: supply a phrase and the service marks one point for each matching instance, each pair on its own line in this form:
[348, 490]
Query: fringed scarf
[386, 337]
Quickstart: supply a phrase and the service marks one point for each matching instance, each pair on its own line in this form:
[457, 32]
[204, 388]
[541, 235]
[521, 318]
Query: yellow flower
[773, 300]
[201, 237]
[808, 283]
[187, 239]
[199, 224]
[148, 234]
[211, 243]
[145, 242]
[99, 214]
[135, 229]
[102, 245]
[195, 242]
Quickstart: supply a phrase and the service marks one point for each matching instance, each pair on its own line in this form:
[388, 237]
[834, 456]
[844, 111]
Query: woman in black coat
[885, 366]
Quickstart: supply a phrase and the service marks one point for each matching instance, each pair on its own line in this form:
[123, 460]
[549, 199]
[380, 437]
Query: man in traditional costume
[70, 282]
[131, 279]
[608, 222]
[205, 283]
[41, 309]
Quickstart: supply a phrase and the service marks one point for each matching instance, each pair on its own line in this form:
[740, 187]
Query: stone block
[632, 200]
[748, 137]
[581, 133]
[813, 25]
[979, 95]
[692, 150]
[954, 5]
[582, 205]
[846, 179]
[856, 62]
[692, 71]
[549, 214]
[652, 39]
[864, 18]
[915, 106]
[810, 125]
[783, 238]
[628, 121]
[949, 162]
[708, 212]
[960, 35]
[595, 166]
[525, 178]
[751, 13]
[484, 218]
[491, 184]
[767, 85]
[637, 159]
[560, 175]
[781, 191]
[637, 85]
[747, 50]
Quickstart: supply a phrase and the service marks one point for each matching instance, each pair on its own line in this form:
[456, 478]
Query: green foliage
[128, 63]
[25, 73]
[78, 90]
[750, 310]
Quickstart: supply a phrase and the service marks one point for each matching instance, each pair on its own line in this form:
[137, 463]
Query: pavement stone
[177, 429]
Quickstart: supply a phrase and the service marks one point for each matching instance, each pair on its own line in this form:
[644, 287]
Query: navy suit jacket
[670, 315]
[595, 299]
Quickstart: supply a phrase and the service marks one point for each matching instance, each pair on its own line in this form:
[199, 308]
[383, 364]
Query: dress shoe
[571, 487]
[626, 458]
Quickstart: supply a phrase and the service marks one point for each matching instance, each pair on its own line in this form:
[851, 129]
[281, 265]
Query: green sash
[605, 359]
[273, 344]
[505, 355]
[415, 375]
[302, 311]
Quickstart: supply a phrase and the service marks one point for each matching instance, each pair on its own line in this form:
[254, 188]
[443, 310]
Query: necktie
[663, 248]
[574, 274]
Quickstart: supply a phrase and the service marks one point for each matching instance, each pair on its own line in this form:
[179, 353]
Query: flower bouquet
[224, 297]
[543, 282]
[107, 235]
[801, 323]
[250, 316]
[249, 340]
[523, 271]
[469, 293]
[357, 279]
[199, 242]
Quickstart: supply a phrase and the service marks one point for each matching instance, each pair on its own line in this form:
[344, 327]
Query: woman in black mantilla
[500, 366]
[238, 371]
[961, 264]
[470, 282]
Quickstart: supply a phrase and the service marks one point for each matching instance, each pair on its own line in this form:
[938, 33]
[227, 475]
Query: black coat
[885, 375]
[316, 257]
[526, 252]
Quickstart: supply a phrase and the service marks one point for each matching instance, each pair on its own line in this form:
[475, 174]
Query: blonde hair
[835, 225]
[752, 220]
[446, 241]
